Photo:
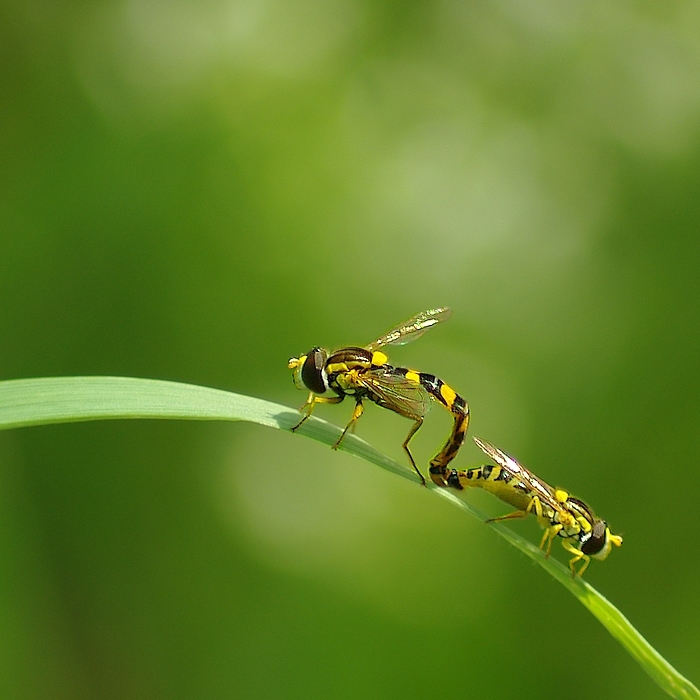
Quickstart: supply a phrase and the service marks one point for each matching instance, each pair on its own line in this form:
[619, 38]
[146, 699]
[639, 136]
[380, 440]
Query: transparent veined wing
[542, 489]
[395, 392]
[413, 328]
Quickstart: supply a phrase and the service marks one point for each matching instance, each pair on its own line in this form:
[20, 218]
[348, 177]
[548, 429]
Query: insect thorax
[343, 366]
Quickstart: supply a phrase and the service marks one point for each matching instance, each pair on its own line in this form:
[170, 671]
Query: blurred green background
[196, 191]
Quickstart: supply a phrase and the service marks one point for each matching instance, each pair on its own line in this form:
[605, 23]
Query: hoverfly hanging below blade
[561, 515]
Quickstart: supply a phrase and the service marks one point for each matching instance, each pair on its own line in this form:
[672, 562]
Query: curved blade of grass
[670, 680]
[27, 402]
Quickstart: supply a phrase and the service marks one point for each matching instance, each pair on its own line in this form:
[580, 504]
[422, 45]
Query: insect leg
[311, 402]
[510, 516]
[351, 424]
[549, 534]
[578, 556]
[534, 505]
[411, 433]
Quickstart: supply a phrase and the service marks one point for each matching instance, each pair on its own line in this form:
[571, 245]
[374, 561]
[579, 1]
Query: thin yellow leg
[549, 534]
[311, 404]
[359, 410]
[510, 516]
[578, 556]
[534, 505]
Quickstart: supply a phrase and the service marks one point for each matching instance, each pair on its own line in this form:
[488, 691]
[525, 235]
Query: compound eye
[313, 372]
[596, 541]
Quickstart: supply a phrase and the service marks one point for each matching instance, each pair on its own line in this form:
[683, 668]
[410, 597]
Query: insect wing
[395, 392]
[543, 490]
[413, 328]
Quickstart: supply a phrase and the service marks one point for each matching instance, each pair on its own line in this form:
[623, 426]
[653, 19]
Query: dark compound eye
[596, 541]
[313, 373]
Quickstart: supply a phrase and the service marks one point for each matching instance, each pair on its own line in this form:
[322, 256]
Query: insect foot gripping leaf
[583, 534]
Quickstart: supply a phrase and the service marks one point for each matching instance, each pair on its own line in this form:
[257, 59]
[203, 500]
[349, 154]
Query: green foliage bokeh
[197, 191]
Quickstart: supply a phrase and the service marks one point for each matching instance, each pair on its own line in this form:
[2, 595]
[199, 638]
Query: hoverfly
[364, 373]
[584, 535]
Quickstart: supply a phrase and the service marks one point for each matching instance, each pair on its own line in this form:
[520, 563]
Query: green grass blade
[667, 677]
[26, 402]
[40, 401]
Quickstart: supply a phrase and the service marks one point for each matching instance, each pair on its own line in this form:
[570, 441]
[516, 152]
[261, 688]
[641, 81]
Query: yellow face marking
[379, 358]
[413, 377]
[448, 394]
[295, 362]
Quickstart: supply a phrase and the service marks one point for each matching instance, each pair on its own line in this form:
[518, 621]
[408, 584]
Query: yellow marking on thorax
[448, 394]
[413, 376]
[584, 524]
[337, 367]
[561, 495]
[348, 380]
[379, 358]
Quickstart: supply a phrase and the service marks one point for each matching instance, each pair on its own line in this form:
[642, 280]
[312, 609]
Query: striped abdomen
[459, 408]
[496, 480]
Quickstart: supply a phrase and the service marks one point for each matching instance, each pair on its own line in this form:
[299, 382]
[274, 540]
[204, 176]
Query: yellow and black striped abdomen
[497, 481]
[459, 408]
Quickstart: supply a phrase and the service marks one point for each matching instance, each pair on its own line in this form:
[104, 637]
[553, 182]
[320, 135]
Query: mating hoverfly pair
[365, 373]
